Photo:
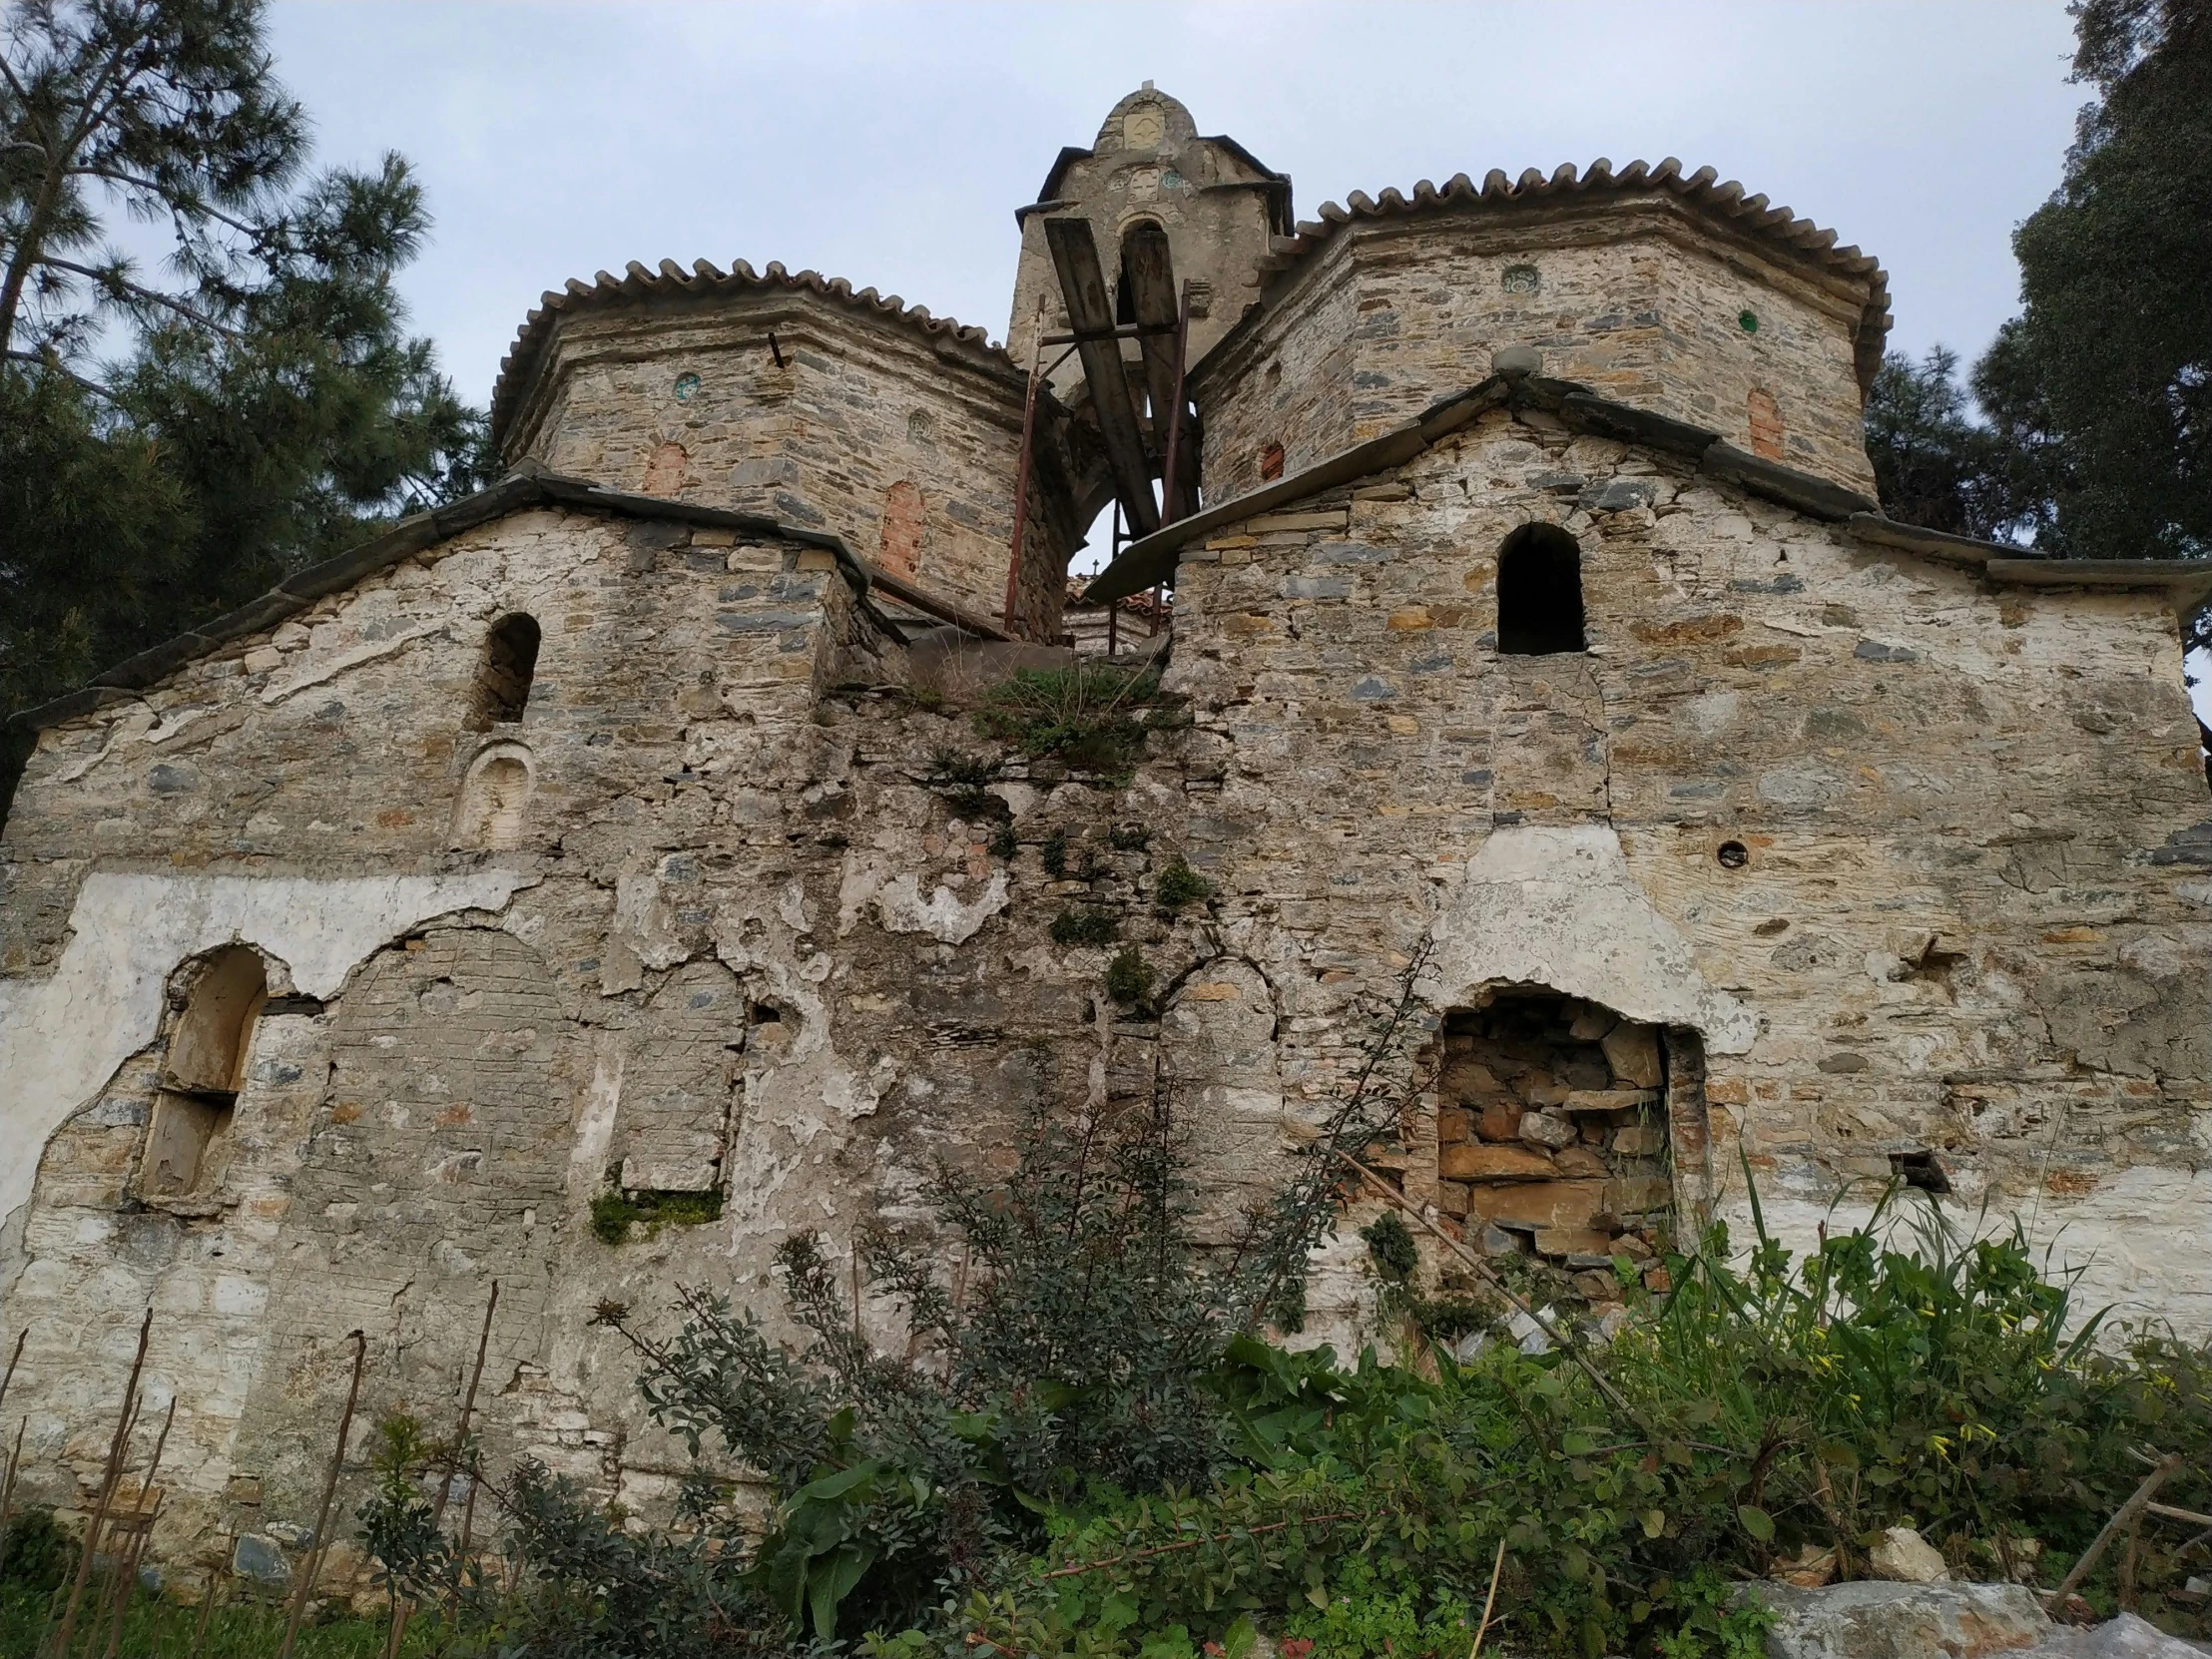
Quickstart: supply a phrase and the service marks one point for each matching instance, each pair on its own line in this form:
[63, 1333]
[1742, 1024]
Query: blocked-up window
[496, 796]
[1539, 593]
[188, 1139]
[677, 1086]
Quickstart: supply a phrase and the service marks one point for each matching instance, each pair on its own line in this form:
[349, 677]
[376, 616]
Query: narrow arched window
[503, 678]
[1539, 592]
[188, 1141]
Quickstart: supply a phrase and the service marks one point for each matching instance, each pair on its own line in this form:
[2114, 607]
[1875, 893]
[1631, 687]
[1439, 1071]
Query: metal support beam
[1091, 311]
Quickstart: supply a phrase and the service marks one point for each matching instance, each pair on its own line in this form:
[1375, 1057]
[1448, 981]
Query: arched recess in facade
[438, 1159]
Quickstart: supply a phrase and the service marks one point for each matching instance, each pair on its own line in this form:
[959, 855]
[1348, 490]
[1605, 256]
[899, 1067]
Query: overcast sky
[890, 144]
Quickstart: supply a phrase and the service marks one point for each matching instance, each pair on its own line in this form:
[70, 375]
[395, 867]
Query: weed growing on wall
[1086, 717]
[1089, 925]
[1179, 884]
[613, 1214]
[961, 779]
[1129, 980]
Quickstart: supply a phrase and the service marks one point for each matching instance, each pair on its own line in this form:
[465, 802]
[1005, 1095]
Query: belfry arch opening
[503, 676]
[1539, 593]
[210, 1046]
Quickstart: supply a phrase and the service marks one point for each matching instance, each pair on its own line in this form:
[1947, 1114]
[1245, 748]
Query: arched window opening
[1539, 593]
[188, 1141]
[503, 679]
[494, 797]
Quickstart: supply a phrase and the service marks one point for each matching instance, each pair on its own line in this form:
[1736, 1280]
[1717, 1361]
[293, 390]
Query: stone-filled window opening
[186, 1140]
[503, 678]
[1539, 593]
[1560, 1132]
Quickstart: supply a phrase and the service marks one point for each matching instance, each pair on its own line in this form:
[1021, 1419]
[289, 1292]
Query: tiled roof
[1727, 202]
[529, 485]
[524, 357]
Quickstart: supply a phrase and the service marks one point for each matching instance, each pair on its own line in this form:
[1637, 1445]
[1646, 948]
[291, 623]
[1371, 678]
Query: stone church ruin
[589, 883]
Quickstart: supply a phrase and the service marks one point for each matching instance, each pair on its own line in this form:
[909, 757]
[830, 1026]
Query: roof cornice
[1151, 560]
[1726, 203]
[527, 359]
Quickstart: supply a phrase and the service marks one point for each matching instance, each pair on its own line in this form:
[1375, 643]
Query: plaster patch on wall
[328, 668]
[62, 1037]
[899, 906]
[1555, 905]
[2142, 1239]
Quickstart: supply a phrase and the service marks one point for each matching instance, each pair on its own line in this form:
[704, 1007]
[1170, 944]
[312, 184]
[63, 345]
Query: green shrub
[1053, 853]
[613, 1213]
[1129, 978]
[1089, 926]
[36, 1553]
[1390, 1248]
[1128, 838]
[1004, 844]
[1179, 884]
[1082, 716]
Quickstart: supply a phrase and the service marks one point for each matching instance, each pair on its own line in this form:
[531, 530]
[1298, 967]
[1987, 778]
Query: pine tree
[172, 442]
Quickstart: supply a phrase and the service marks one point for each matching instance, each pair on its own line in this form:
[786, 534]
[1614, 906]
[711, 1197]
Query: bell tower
[1151, 225]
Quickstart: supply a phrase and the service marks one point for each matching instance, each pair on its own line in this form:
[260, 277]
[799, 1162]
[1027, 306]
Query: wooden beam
[1091, 314]
[1150, 271]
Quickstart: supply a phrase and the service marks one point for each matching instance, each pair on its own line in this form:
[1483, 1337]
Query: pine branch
[56, 367]
[120, 286]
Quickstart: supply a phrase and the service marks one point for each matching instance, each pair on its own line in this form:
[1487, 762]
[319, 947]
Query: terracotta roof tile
[1704, 189]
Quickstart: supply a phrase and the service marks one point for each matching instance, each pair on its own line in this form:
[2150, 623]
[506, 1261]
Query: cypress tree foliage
[2102, 388]
[173, 441]
[2095, 402]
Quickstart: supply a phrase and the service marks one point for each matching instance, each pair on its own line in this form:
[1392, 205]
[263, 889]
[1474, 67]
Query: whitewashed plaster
[1555, 905]
[62, 1037]
[2140, 1241]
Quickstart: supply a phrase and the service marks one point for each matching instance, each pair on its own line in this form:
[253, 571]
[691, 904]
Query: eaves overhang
[1152, 560]
[526, 487]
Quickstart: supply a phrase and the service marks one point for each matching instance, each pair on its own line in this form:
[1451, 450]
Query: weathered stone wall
[1971, 917]
[867, 427]
[739, 945]
[1634, 297]
[750, 939]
